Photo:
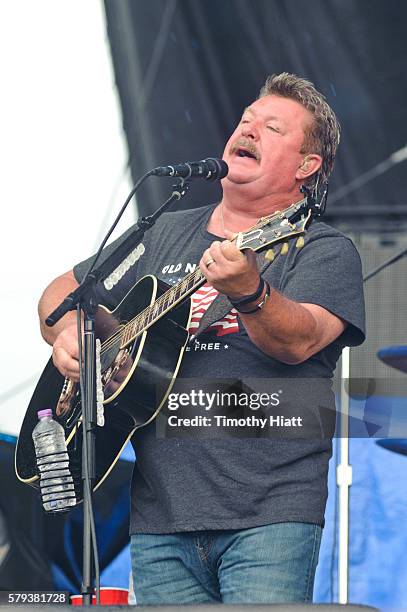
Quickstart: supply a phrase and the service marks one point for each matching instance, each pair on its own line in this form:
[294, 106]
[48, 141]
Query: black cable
[386, 263]
[110, 202]
[116, 221]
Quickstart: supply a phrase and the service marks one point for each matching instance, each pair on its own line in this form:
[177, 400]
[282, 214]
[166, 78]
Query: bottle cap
[44, 413]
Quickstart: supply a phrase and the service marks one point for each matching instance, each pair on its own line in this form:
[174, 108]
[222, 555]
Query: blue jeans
[271, 564]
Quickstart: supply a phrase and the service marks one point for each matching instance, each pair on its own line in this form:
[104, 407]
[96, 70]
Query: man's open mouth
[245, 153]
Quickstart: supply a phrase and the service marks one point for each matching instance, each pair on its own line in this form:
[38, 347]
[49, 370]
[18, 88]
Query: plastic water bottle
[56, 482]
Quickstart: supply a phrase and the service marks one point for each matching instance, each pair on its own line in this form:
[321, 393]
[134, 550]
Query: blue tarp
[378, 534]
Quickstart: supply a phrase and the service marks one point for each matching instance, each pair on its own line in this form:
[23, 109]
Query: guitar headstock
[275, 228]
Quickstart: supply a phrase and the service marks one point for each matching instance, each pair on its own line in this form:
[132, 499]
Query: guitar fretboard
[161, 306]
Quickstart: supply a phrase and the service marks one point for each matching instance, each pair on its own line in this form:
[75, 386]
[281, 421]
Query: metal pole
[88, 455]
[344, 481]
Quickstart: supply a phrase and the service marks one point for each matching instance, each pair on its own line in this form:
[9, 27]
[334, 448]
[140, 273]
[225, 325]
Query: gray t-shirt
[239, 473]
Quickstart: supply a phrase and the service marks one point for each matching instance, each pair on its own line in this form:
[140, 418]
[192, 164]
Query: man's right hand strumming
[63, 336]
[65, 352]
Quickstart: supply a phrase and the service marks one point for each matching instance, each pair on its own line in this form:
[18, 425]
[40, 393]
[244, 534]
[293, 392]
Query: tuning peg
[300, 242]
[270, 255]
[284, 249]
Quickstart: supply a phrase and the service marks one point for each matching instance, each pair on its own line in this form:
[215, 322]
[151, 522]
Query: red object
[108, 597]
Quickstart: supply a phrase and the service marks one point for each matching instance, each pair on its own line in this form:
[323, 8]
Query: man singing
[238, 518]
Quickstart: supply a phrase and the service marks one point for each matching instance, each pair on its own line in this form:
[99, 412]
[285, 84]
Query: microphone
[211, 169]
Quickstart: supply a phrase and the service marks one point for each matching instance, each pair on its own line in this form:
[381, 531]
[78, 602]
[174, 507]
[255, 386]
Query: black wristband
[258, 306]
[250, 298]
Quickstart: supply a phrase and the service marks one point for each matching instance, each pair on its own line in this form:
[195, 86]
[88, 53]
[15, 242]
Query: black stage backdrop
[185, 69]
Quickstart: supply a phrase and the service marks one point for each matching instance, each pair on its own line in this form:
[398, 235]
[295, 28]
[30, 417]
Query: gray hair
[323, 136]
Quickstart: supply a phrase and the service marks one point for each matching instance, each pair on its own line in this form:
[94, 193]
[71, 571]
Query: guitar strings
[195, 276]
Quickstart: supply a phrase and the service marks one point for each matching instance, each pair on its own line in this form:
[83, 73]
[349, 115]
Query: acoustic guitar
[144, 338]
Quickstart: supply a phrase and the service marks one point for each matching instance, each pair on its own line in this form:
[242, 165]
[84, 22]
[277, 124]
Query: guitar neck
[164, 304]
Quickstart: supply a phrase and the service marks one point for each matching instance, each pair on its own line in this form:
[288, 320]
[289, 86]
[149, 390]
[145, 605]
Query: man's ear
[309, 165]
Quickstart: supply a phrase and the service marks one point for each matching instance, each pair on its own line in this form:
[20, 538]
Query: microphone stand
[84, 299]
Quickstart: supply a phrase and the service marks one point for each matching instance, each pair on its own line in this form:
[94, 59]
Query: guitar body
[146, 366]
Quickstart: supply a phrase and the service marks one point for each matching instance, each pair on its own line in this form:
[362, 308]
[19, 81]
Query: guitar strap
[221, 304]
